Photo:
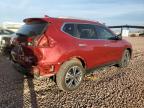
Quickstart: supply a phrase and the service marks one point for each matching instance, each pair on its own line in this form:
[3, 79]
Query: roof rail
[65, 17]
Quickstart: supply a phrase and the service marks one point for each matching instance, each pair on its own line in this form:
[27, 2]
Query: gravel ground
[110, 88]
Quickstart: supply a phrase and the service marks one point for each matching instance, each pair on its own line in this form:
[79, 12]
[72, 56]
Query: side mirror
[118, 37]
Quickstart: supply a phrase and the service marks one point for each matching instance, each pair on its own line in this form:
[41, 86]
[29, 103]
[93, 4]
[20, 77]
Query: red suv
[67, 49]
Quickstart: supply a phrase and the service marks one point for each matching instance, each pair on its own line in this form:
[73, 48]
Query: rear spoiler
[27, 20]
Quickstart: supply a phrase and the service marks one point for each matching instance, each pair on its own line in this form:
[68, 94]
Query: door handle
[82, 45]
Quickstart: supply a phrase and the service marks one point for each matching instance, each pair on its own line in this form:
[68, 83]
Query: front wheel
[70, 75]
[125, 59]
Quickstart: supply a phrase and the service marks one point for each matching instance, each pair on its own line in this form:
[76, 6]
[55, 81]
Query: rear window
[32, 28]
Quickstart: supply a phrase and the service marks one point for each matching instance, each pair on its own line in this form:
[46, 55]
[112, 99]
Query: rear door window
[32, 29]
[86, 31]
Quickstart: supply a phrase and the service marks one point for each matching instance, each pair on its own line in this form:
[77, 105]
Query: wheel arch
[83, 62]
[80, 59]
[130, 51]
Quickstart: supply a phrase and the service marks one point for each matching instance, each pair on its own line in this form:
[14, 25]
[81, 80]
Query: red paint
[55, 47]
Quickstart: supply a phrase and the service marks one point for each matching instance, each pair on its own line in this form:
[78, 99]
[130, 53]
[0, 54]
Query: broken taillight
[43, 42]
[30, 41]
[46, 41]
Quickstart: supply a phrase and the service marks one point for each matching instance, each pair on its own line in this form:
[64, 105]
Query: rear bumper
[38, 71]
[38, 61]
[45, 70]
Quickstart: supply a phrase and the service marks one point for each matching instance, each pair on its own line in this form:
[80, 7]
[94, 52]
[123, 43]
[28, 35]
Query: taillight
[43, 42]
[30, 41]
[51, 42]
[46, 42]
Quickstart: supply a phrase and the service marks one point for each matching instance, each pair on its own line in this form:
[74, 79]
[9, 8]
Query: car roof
[62, 20]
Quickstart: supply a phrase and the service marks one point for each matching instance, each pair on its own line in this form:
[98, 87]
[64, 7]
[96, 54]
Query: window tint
[86, 31]
[69, 28]
[32, 28]
[103, 33]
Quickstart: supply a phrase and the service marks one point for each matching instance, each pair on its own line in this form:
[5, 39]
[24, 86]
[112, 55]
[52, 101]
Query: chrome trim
[82, 45]
[74, 36]
[79, 23]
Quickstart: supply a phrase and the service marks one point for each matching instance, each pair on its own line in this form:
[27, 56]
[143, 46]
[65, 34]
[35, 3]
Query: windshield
[32, 29]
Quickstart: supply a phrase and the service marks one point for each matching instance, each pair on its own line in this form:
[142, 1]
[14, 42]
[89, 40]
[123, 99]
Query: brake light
[46, 42]
[43, 42]
[30, 41]
[51, 42]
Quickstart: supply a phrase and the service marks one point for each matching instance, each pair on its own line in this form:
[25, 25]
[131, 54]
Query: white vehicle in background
[5, 37]
[6, 31]
[13, 26]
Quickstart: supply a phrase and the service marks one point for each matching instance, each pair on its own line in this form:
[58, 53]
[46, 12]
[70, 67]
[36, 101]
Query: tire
[125, 59]
[70, 75]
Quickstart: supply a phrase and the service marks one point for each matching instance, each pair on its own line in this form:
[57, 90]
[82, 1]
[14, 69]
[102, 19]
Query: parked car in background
[141, 35]
[5, 37]
[67, 49]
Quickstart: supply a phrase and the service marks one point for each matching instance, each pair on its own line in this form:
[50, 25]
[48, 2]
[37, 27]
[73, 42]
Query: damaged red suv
[67, 49]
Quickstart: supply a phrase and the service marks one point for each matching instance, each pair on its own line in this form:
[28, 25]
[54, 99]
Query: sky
[110, 12]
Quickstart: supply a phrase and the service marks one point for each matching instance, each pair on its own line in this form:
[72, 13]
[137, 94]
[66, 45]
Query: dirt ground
[110, 88]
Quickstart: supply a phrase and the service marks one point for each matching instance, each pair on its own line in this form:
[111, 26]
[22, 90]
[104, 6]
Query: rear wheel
[125, 59]
[70, 75]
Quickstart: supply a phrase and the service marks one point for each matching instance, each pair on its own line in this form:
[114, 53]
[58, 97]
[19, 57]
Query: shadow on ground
[12, 87]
